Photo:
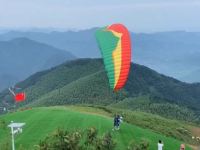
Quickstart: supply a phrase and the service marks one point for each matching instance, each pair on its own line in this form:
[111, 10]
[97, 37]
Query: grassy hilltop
[45, 120]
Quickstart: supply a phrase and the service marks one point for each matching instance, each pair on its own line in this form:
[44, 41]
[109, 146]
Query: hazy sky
[137, 15]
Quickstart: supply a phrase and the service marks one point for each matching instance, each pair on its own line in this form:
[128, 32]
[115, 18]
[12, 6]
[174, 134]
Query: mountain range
[21, 57]
[175, 54]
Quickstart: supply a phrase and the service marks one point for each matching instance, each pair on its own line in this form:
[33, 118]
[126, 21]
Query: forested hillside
[84, 81]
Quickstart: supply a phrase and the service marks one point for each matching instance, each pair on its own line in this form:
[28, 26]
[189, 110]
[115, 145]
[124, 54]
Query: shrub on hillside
[64, 140]
[105, 143]
[5, 146]
[143, 145]
[91, 136]
[3, 124]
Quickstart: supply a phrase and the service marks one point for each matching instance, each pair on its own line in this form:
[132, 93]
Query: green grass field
[43, 121]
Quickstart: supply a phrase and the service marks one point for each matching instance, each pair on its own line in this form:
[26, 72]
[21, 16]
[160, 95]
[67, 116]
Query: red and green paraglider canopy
[115, 45]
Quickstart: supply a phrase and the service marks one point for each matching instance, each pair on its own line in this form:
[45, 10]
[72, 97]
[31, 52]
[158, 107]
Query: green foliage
[43, 145]
[3, 124]
[6, 145]
[61, 140]
[105, 143]
[64, 140]
[146, 104]
[91, 136]
[142, 145]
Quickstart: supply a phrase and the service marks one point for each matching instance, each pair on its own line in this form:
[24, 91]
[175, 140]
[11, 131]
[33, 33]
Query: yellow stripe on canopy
[117, 57]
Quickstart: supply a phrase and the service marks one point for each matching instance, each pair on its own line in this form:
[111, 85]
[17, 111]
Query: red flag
[20, 97]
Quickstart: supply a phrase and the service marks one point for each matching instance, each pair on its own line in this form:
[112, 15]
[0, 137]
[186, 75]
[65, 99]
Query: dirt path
[195, 131]
[194, 147]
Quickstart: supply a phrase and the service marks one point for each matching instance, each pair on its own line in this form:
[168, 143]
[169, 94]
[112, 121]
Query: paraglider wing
[115, 45]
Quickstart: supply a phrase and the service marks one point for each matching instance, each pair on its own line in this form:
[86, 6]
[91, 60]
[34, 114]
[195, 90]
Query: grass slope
[167, 110]
[42, 121]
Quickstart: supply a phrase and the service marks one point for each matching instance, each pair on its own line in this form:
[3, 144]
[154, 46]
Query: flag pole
[11, 91]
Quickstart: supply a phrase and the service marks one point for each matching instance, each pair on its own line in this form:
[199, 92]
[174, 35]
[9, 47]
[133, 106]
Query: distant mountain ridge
[80, 43]
[22, 57]
[173, 53]
[84, 81]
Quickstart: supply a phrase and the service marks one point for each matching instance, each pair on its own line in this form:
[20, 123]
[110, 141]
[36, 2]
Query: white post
[13, 139]
[15, 128]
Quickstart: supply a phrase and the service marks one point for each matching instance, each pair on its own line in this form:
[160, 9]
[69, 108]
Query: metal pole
[13, 140]
[11, 91]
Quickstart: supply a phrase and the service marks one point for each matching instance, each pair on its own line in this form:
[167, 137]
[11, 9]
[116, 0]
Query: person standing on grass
[160, 145]
[116, 122]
